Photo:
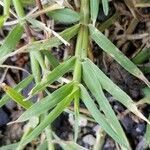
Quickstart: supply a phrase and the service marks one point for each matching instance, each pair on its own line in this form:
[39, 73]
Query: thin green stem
[19, 9]
[142, 56]
[107, 23]
[100, 139]
[82, 39]
[21, 14]
[49, 137]
[6, 7]
[81, 53]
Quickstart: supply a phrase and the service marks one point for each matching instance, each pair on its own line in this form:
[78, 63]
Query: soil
[133, 126]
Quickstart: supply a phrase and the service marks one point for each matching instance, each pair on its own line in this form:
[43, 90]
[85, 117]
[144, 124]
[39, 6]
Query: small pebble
[96, 128]
[109, 145]
[140, 128]
[82, 121]
[4, 119]
[89, 139]
[10, 105]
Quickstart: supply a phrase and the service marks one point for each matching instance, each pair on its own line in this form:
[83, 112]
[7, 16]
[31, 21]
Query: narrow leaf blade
[115, 53]
[49, 118]
[11, 41]
[115, 91]
[54, 75]
[20, 86]
[64, 15]
[17, 97]
[54, 62]
[54, 41]
[98, 116]
[94, 8]
[105, 4]
[47, 103]
[96, 90]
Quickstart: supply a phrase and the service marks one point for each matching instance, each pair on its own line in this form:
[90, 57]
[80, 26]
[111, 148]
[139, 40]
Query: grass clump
[87, 79]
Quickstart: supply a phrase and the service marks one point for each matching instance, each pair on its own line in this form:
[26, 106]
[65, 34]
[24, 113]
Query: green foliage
[5, 15]
[84, 72]
[17, 97]
[115, 53]
[2, 20]
[9, 146]
[67, 34]
[94, 8]
[53, 61]
[54, 75]
[99, 117]
[10, 42]
[42, 146]
[147, 136]
[20, 86]
[50, 117]
[28, 2]
[96, 89]
[47, 103]
[146, 139]
[105, 4]
[115, 91]
[64, 15]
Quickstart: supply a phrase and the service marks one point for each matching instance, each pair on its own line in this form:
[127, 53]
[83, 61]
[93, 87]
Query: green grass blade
[5, 12]
[43, 146]
[105, 4]
[29, 127]
[94, 8]
[54, 41]
[17, 97]
[6, 7]
[50, 117]
[65, 15]
[54, 75]
[2, 20]
[9, 146]
[48, 43]
[49, 137]
[47, 103]
[10, 41]
[43, 27]
[115, 53]
[116, 92]
[147, 136]
[100, 119]
[28, 2]
[35, 67]
[142, 56]
[73, 146]
[53, 61]
[68, 145]
[146, 92]
[106, 24]
[20, 86]
[96, 90]
[40, 59]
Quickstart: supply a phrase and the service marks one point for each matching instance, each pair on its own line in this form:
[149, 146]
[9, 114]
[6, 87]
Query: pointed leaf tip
[143, 78]
[139, 114]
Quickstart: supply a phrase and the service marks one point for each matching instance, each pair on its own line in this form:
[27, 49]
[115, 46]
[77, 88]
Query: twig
[40, 7]
[3, 76]
[13, 67]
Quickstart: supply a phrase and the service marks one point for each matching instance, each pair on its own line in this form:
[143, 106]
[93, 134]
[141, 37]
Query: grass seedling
[87, 79]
